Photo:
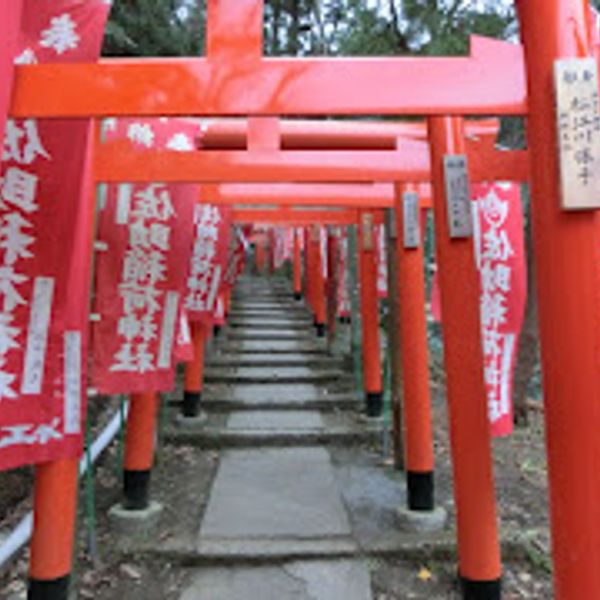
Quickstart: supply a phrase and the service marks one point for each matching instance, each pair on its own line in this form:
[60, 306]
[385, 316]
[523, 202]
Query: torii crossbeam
[235, 79]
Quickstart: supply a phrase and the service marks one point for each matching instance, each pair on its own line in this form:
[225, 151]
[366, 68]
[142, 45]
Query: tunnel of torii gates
[496, 79]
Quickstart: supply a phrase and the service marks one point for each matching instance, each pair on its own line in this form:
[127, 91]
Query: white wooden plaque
[578, 124]
[411, 220]
[458, 196]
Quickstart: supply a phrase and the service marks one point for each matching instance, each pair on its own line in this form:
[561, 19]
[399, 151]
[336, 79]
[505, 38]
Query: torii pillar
[567, 258]
[316, 269]
[297, 265]
[369, 307]
[470, 443]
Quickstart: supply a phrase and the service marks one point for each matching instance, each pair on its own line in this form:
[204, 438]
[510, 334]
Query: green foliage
[312, 27]
[383, 28]
[155, 28]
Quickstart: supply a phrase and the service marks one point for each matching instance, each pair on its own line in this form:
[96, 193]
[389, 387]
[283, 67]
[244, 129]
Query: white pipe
[21, 534]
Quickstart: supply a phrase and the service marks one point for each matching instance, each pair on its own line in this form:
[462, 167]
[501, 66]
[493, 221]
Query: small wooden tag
[411, 220]
[578, 126]
[458, 196]
[368, 233]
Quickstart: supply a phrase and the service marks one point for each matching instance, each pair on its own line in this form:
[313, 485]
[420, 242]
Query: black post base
[55, 589]
[374, 401]
[191, 404]
[420, 490]
[297, 296]
[136, 490]
[321, 329]
[481, 590]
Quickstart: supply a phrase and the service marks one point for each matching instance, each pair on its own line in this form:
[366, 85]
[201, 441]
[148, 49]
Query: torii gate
[234, 79]
[263, 161]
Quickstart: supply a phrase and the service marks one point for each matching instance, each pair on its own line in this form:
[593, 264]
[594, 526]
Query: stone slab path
[275, 517]
[315, 580]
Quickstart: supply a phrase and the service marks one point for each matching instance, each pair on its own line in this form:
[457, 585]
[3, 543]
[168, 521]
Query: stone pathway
[276, 515]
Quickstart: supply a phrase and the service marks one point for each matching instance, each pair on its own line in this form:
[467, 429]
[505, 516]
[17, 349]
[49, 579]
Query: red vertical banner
[236, 256]
[500, 252]
[46, 217]
[284, 245]
[10, 25]
[219, 312]
[184, 348]
[146, 231]
[212, 225]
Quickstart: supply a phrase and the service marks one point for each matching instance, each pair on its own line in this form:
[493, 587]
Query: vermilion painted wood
[331, 284]
[478, 548]
[298, 134]
[299, 218]
[369, 309]
[141, 432]
[234, 29]
[348, 195]
[54, 510]
[294, 194]
[297, 262]
[194, 370]
[414, 351]
[567, 259]
[318, 285]
[309, 267]
[263, 133]
[492, 81]
[121, 161]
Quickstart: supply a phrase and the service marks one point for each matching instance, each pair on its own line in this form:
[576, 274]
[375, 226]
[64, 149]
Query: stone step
[262, 346]
[257, 359]
[291, 313]
[264, 304]
[276, 396]
[271, 334]
[289, 375]
[275, 429]
[266, 501]
[275, 421]
[340, 579]
[243, 296]
[303, 323]
[335, 403]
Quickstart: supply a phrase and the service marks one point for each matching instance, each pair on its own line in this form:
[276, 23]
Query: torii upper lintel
[234, 79]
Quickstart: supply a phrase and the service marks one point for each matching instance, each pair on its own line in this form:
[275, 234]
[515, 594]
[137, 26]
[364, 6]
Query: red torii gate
[410, 162]
[474, 421]
[235, 80]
